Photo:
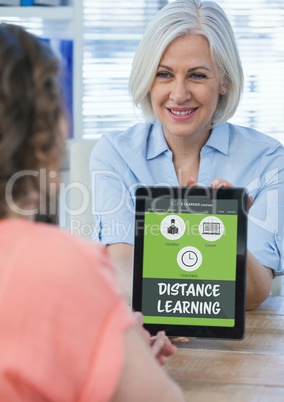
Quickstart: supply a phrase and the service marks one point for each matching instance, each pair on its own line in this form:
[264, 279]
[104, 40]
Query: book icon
[211, 228]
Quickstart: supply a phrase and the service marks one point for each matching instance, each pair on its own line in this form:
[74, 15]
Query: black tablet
[189, 270]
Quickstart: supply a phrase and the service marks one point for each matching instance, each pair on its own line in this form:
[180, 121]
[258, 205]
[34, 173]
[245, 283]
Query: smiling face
[186, 89]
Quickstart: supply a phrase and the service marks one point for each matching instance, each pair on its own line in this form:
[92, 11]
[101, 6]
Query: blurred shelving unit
[56, 22]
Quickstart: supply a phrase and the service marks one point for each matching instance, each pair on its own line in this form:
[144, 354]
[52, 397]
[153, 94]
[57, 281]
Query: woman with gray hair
[187, 79]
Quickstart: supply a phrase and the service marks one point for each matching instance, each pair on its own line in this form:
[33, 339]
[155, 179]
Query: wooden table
[251, 370]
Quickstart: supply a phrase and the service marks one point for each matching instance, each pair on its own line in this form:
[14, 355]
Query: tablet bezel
[239, 194]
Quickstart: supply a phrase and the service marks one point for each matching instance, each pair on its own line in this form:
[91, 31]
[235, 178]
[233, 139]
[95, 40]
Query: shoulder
[67, 258]
[76, 268]
[58, 238]
[253, 136]
[138, 132]
[253, 140]
[122, 143]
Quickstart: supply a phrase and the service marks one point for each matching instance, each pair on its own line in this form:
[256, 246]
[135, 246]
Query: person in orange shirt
[66, 332]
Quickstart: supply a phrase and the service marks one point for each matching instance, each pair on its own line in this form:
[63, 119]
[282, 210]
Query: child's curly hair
[31, 111]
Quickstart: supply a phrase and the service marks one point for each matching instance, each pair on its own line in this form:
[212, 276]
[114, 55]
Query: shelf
[58, 22]
[48, 13]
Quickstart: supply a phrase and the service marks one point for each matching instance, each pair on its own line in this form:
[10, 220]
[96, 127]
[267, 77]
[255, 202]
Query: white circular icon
[172, 227]
[211, 228]
[189, 258]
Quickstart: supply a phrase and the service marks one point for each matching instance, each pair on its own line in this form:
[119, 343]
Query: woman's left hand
[160, 344]
[218, 183]
[162, 347]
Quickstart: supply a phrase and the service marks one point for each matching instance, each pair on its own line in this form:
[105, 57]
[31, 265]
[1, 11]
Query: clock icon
[189, 258]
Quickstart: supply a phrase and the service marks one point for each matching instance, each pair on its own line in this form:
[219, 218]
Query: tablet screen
[189, 261]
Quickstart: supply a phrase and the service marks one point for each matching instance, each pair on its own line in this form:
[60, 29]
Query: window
[34, 25]
[112, 31]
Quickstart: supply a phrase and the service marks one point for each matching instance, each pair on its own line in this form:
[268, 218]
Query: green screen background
[218, 263]
[160, 259]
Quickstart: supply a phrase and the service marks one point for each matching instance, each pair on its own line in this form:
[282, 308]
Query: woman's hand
[161, 347]
[160, 344]
[217, 183]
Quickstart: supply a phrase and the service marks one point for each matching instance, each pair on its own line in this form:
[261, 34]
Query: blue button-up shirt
[120, 162]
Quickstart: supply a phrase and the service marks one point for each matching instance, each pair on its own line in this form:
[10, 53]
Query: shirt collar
[157, 143]
[219, 140]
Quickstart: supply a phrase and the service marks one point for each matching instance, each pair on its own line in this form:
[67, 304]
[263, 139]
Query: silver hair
[176, 19]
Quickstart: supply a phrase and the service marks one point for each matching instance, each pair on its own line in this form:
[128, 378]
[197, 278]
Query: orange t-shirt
[62, 319]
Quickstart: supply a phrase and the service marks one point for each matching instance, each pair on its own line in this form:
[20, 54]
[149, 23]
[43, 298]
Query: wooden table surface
[251, 370]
